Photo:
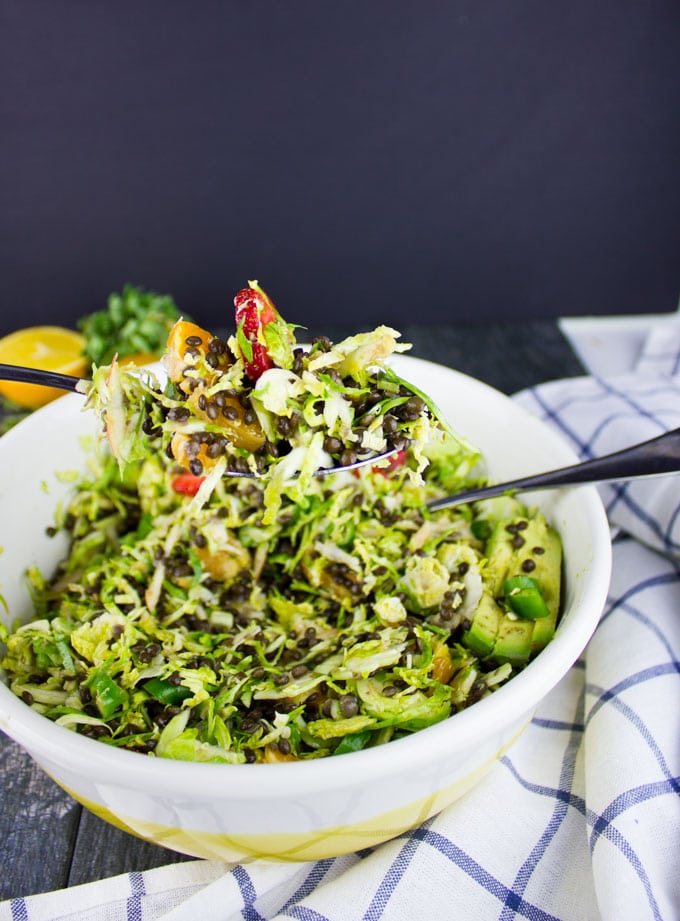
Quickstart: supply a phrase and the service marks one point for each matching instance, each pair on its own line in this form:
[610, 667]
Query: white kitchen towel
[580, 820]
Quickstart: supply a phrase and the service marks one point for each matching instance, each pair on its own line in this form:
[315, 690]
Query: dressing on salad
[257, 403]
[206, 617]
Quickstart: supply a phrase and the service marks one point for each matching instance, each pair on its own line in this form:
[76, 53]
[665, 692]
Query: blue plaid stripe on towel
[580, 821]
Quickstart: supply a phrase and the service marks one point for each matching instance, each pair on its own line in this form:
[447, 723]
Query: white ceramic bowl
[313, 809]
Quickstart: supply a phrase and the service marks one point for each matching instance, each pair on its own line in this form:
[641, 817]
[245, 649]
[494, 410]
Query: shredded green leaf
[290, 617]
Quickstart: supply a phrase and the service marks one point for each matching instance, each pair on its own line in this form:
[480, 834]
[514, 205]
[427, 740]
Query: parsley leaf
[133, 321]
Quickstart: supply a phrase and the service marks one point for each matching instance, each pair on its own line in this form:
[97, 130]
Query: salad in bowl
[229, 596]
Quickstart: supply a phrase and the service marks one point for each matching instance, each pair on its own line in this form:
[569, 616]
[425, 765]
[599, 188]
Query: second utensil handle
[656, 456]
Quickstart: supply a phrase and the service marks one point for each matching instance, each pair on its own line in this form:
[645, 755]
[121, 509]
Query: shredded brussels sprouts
[273, 619]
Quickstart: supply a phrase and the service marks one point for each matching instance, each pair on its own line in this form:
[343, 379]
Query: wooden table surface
[48, 841]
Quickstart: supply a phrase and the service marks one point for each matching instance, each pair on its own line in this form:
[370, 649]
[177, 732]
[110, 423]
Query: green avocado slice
[513, 643]
[548, 574]
[481, 635]
[518, 546]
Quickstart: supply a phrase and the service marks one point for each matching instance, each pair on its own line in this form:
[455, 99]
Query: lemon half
[52, 348]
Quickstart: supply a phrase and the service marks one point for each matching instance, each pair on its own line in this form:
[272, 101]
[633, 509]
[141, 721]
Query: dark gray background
[431, 162]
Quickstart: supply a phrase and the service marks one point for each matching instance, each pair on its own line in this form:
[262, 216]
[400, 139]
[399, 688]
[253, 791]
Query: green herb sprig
[133, 321]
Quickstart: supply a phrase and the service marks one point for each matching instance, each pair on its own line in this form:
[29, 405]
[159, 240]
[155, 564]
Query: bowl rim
[512, 702]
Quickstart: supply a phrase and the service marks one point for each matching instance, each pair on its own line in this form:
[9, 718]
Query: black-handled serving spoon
[656, 456]
[44, 378]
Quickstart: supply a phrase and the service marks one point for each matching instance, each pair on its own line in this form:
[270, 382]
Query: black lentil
[178, 414]
[332, 444]
[349, 705]
[348, 457]
[284, 426]
[216, 449]
[298, 361]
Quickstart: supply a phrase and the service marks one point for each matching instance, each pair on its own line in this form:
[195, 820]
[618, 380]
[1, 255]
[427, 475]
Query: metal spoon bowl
[649, 458]
[44, 378]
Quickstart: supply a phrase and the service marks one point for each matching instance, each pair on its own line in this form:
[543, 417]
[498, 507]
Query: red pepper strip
[265, 339]
[394, 463]
[254, 311]
[187, 483]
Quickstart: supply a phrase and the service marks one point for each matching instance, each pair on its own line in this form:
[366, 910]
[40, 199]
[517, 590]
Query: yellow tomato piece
[443, 668]
[177, 346]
